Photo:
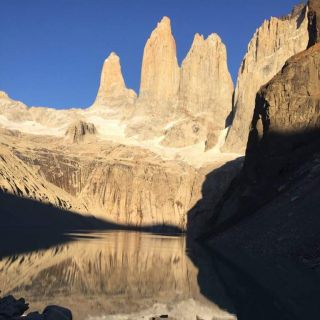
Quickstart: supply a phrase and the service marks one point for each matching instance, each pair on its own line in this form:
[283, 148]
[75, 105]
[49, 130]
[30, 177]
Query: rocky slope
[273, 43]
[19, 178]
[123, 184]
[272, 207]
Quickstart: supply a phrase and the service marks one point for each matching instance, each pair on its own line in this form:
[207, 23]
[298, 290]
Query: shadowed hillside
[28, 225]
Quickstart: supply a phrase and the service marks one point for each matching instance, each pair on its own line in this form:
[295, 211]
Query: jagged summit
[165, 23]
[160, 69]
[206, 85]
[112, 84]
[211, 37]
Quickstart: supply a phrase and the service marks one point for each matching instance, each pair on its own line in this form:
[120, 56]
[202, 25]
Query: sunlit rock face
[287, 114]
[21, 179]
[274, 200]
[125, 185]
[80, 131]
[132, 161]
[112, 90]
[206, 86]
[160, 70]
[273, 43]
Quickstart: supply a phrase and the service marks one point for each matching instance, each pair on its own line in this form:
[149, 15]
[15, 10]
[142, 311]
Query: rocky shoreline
[14, 309]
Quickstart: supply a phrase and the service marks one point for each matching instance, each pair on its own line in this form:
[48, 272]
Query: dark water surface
[131, 275]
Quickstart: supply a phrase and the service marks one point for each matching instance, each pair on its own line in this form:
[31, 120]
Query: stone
[185, 132]
[160, 72]
[11, 307]
[57, 313]
[34, 316]
[273, 43]
[112, 90]
[314, 22]
[287, 114]
[284, 136]
[3, 95]
[79, 131]
[206, 86]
[212, 140]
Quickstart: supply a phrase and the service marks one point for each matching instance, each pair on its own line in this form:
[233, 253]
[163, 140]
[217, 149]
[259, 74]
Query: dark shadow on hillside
[213, 188]
[253, 288]
[274, 164]
[27, 225]
[230, 116]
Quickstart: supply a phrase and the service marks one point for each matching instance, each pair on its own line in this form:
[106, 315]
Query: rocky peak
[80, 130]
[160, 69]
[314, 21]
[273, 43]
[3, 95]
[112, 85]
[205, 84]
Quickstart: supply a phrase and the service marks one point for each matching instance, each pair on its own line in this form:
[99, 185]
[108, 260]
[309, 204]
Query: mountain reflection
[107, 273]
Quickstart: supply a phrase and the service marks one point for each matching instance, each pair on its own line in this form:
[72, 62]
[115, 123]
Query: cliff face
[80, 131]
[286, 117]
[172, 100]
[280, 180]
[160, 71]
[112, 90]
[314, 22]
[206, 86]
[122, 184]
[272, 44]
[19, 178]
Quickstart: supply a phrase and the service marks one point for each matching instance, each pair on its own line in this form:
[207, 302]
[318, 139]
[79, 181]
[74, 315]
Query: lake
[111, 275]
[130, 275]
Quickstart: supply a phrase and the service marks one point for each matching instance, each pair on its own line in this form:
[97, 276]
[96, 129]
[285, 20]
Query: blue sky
[51, 51]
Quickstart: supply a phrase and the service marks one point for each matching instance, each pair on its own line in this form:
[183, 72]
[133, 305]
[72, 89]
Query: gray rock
[34, 316]
[56, 313]
[11, 307]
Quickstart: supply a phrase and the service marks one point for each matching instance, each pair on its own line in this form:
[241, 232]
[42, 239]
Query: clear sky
[51, 51]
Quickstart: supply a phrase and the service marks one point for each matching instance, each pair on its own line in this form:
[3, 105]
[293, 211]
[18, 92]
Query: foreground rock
[13, 309]
[273, 43]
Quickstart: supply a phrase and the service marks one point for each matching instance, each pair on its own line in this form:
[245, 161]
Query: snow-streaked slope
[110, 125]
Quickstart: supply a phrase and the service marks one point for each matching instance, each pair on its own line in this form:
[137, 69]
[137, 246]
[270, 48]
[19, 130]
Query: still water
[130, 275]
[112, 275]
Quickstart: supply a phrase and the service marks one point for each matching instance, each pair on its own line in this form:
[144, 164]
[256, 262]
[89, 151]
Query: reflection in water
[110, 273]
[255, 288]
[128, 275]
